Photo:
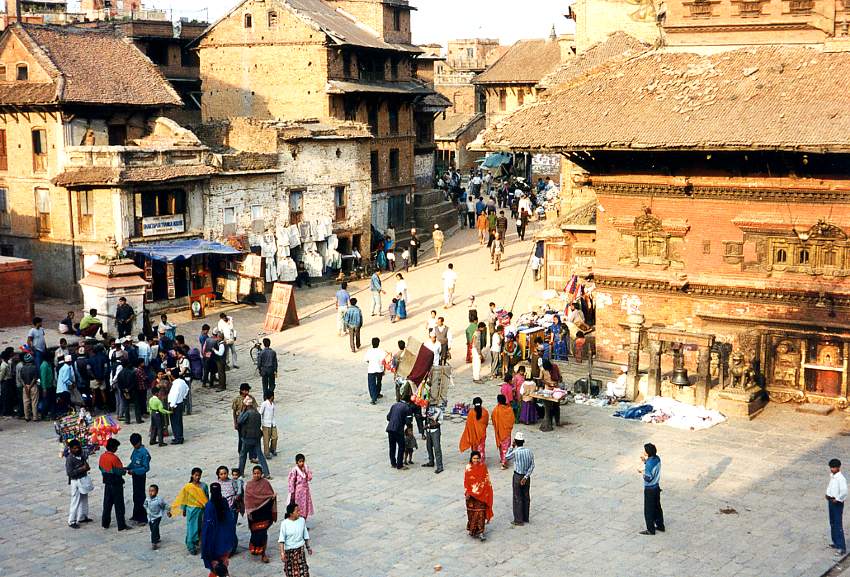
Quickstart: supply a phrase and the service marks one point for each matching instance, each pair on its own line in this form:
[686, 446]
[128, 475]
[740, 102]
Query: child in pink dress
[299, 486]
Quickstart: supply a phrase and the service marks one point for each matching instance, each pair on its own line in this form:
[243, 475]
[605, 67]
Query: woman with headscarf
[217, 533]
[261, 511]
[479, 496]
[475, 434]
[293, 541]
[401, 292]
[503, 424]
[230, 492]
[190, 503]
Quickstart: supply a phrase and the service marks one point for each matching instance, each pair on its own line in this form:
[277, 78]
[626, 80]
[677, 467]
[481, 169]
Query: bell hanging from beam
[680, 373]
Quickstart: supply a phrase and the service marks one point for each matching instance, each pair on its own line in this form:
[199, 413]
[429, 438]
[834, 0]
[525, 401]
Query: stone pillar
[704, 376]
[635, 321]
[653, 388]
[105, 282]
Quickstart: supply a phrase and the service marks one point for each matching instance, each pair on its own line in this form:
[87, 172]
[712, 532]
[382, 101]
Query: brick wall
[463, 96]
[243, 81]
[494, 111]
[16, 299]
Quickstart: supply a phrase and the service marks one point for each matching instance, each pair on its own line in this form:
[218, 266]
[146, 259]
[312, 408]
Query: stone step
[815, 409]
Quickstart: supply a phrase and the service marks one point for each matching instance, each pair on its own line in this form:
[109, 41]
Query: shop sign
[156, 225]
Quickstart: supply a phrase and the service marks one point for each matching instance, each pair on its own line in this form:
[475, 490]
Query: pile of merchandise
[102, 429]
[76, 426]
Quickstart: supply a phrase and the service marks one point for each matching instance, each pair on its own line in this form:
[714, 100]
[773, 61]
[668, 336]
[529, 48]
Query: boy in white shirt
[836, 494]
[269, 427]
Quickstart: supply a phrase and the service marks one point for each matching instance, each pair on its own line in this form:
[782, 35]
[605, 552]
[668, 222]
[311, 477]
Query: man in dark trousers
[414, 248]
[113, 472]
[124, 317]
[651, 472]
[267, 366]
[353, 321]
[250, 432]
[140, 464]
[397, 419]
[523, 468]
[836, 494]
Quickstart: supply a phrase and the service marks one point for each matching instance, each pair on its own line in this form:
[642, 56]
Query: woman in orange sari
[475, 434]
[479, 496]
[503, 424]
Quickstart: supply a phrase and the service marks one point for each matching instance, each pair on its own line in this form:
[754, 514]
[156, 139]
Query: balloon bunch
[103, 428]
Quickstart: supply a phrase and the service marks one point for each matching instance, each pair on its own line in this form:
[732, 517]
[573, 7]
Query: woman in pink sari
[299, 486]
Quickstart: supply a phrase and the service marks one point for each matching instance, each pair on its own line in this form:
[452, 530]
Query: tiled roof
[617, 45]
[91, 67]
[104, 175]
[584, 215]
[341, 28]
[27, 93]
[526, 62]
[763, 97]
[453, 125]
[384, 87]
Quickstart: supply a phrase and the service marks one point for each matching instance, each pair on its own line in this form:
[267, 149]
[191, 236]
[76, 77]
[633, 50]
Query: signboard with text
[157, 225]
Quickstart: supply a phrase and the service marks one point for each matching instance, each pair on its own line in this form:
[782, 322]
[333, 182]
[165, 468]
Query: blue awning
[496, 160]
[180, 249]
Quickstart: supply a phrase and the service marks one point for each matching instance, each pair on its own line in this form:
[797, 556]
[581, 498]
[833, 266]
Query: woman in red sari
[261, 511]
[475, 434]
[479, 496]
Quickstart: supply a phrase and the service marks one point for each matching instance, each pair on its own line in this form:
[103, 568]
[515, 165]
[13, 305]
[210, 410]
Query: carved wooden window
[750, 9]
[248, 21]
[780, 256]
[829, 257]
[272, 19]
[733, 252]
[803, 256]
[700, 9]
[801, 6]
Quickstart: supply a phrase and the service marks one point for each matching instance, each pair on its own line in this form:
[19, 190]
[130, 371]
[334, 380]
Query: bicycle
[256, 347]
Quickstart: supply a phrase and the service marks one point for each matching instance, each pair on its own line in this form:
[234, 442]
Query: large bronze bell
[680, 373]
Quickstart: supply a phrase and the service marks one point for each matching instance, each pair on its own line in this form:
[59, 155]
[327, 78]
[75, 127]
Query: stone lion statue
[743, 374]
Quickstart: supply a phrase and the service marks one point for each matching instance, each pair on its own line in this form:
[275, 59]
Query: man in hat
[250, 427]
[414, 248]
[617, 389]
[237, 407]
[65, 381]
[439, 238]
[523, 468]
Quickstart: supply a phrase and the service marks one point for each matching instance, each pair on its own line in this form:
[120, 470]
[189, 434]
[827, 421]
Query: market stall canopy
[496, 160]
[181, 249]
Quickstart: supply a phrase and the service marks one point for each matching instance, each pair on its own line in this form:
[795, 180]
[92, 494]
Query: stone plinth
[742, 403]
[106, 282]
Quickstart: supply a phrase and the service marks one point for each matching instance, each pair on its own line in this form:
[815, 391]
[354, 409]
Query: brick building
[275, 175]
[349, 60]
[512, 81]
[84, 156]
[167, 45]
[725, 185]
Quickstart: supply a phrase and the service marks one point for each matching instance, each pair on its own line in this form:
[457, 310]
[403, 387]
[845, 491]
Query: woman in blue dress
[558, 334]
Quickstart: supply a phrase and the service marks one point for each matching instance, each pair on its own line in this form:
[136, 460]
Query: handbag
[86, 485]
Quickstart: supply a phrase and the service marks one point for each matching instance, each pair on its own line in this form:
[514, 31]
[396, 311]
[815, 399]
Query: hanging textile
[288, 270]
[294, 236]
[268, 250]
[333, 242]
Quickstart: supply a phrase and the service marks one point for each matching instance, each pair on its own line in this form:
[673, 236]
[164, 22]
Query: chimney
[553, 35]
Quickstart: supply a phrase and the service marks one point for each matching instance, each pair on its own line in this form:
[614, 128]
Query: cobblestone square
[374, 521]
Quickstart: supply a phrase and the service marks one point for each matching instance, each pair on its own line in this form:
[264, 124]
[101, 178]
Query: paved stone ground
[374, 521]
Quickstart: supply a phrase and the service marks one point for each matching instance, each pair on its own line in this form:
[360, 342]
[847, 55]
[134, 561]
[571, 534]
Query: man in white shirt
[496, 350]
[375, 369]
[184, 371]
[524, 205]
[269, 425]
[617, 389]
[449, 282]
[176, 397]
[228, 333]
[434, 346]
[836, 494]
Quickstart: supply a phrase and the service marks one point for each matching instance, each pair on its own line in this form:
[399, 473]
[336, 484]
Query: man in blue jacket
[140, 464]
[397, 419]
[651, 473]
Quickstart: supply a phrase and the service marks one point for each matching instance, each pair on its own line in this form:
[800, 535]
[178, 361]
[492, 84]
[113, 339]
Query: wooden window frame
[296, 216]
[39, 159]
[395, 164]
[5, 215]
[248, 21]
[272, 19]
[340, 208]
[22, 66]
[85, 220]
[43, 218]
[4, 154]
